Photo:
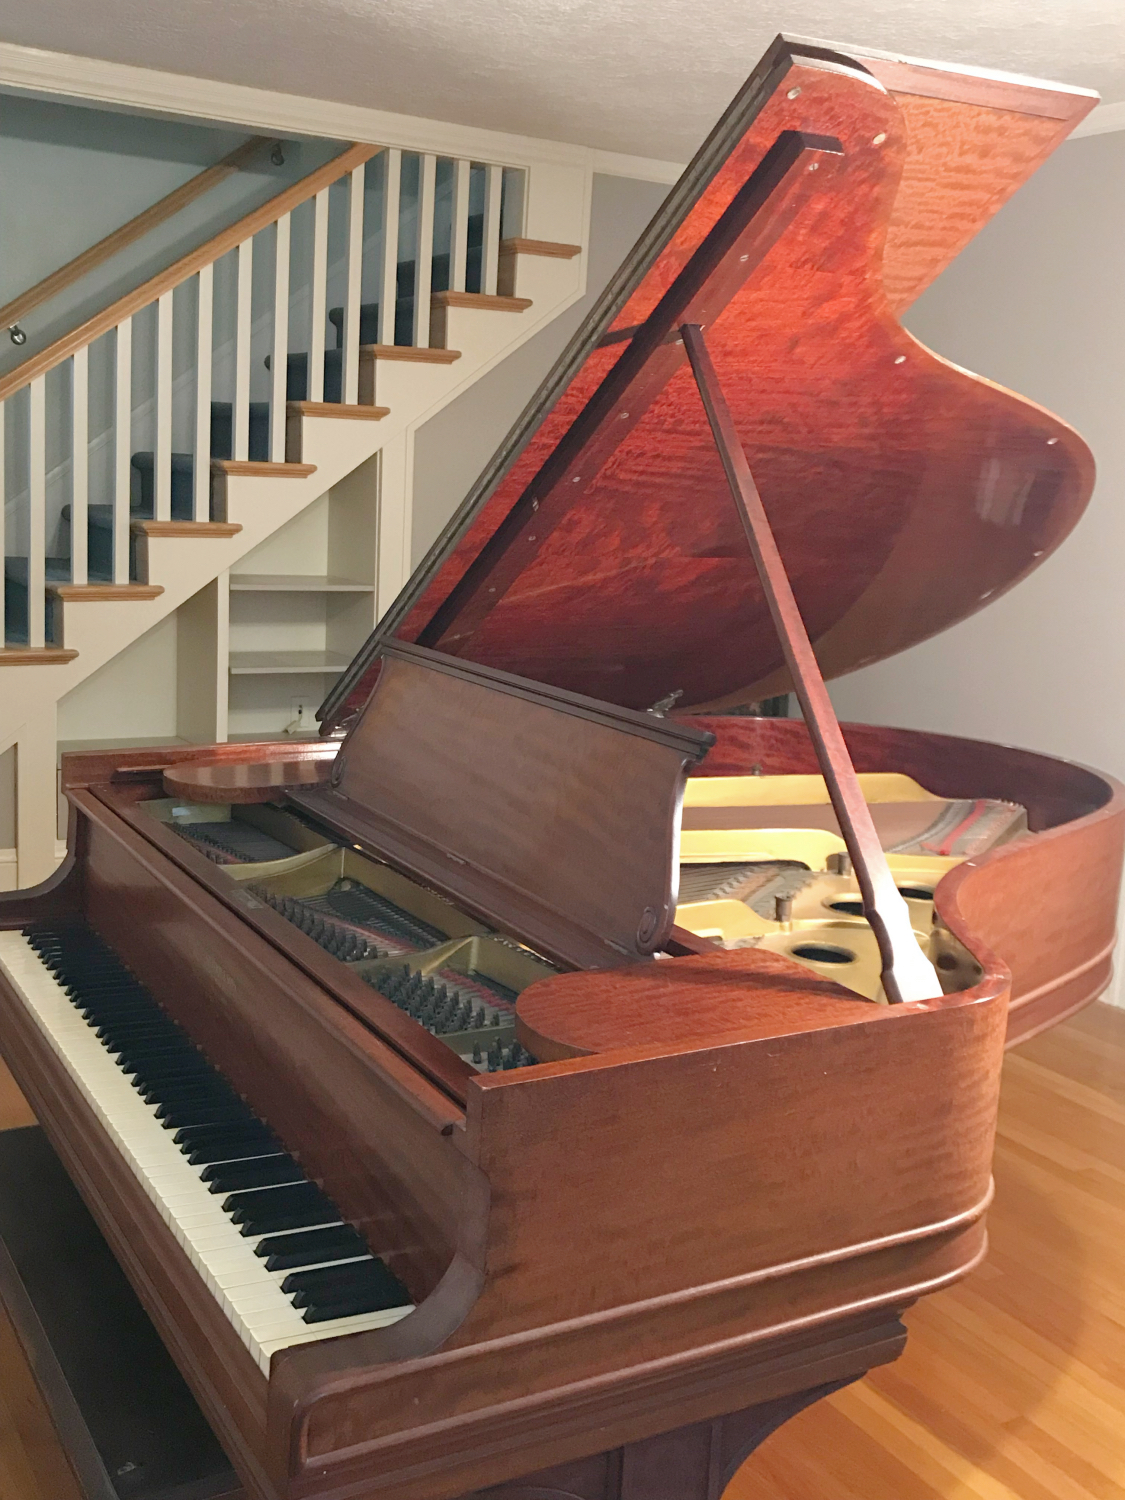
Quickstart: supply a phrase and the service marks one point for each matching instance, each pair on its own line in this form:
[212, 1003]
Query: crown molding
[91, 80]
[1101, 121]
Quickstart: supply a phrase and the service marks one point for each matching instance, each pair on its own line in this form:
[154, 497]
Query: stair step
[35, 656]
[409, 354]
[97, 593]
[186, 528]
[336, 409]
[252, 468]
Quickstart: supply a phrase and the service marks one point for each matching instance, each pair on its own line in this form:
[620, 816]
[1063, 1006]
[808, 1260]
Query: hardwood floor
[1012, 1386]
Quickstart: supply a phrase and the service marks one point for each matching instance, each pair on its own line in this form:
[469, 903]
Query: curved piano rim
[1042, 907]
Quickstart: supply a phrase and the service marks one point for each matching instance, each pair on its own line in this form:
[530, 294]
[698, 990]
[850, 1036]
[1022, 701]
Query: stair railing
[379, 229]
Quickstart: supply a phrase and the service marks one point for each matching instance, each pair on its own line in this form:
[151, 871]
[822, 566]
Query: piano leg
[696, 1462]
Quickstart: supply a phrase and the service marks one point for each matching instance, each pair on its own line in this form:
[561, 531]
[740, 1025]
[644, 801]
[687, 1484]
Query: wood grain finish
[334, 409]
[35, 656]
[242, 781]
[187, 265]
[104, 593]
[409, 354]
[1043, 907]
[555, 815]
[872, 455]
[186, 528]
[260, 468]
[441, 302]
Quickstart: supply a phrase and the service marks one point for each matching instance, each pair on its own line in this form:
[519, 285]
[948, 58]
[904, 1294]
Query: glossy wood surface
[905, 493]
[1044, 907]
[247, 780]
[554, 818]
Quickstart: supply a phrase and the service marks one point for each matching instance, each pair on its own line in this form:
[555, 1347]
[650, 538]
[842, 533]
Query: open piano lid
[600, 551]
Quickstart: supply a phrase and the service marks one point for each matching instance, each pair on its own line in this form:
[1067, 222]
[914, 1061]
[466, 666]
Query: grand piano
[552, 1079]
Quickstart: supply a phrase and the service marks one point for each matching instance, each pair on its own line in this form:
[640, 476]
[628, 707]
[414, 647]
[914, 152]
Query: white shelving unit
[241, 657]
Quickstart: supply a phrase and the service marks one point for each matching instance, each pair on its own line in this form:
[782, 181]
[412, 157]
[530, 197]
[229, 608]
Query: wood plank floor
[1012, 1386]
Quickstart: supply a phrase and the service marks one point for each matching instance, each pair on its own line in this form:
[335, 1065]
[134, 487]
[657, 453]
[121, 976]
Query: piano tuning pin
[477, 1056]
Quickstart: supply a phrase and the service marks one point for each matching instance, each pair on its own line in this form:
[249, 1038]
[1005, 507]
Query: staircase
[151, 450]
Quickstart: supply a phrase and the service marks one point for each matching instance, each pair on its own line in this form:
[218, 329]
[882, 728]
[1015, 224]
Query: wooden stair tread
[409, 354]
[550, 248]
[35, 656]
[481, 300]
[187, 528]
[333, 409]
[260, 468]
[95, 593]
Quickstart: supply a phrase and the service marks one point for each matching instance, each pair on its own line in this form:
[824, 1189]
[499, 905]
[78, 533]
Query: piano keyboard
[268, 1244]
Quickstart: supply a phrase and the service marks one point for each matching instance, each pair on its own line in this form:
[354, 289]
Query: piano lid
[600, 551]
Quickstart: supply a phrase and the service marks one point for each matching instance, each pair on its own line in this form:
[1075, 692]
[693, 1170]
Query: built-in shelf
[295, 583]
[120, 742]
[270, 663]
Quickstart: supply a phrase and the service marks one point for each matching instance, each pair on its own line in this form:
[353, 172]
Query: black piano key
[253, 1172]
[201, 1134]
[284, 1252]
[184, 1114]
[271, 1210]
[327, 1283]
[232, 1145]
[371, 1296]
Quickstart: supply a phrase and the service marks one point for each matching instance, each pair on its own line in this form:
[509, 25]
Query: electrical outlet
[303, 719]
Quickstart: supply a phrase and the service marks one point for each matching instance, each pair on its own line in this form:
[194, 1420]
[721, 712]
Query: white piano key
[249, 1295]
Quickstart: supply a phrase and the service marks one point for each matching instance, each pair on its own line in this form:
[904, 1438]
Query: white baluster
[318, 296]
[354, 287]
[37, 514]
[388, 280]
[204, 344]
[490, 249]
[241, 415]
[279, 363]
[3, 514]
[424, 254]
[79, 463]
[122, 449]
[459, 234]
[162, 457]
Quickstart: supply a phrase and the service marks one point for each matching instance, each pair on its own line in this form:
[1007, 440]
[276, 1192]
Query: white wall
[70, 175]
[1037, 303]
[453, 447]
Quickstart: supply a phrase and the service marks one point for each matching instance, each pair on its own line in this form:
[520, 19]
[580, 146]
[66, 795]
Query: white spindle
[318, 295]
[279, 363]
[353, 292]
[388, 280]
[490, 249]
[204, 343]
[122, 449]
[162, 457]
[3, 517]
[459, 233]
[424, 255]
[241, 414]
[79, 463]
[37, 514]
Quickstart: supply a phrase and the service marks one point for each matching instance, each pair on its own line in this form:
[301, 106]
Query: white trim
[1101, 121]
[643, 168]
[267, 112]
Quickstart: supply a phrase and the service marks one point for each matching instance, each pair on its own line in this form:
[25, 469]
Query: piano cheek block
[250, 1027]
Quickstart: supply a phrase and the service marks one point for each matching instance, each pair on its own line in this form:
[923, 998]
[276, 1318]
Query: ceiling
[647, 77]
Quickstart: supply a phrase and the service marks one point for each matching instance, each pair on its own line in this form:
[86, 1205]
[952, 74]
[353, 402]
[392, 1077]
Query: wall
[70, 175]
[1038, 304]
[453, 447]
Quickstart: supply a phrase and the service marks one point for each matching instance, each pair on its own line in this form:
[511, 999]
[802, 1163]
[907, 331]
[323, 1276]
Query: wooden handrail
[187, 265]
[130, 233]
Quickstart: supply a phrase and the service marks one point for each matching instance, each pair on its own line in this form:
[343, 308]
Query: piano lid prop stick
[907, 973]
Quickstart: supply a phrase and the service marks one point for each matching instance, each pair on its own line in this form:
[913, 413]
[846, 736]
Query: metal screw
[900, 359]
[17, 335]
[880, 138]
[792, 94]
[1051, 442]
[277, 155]
[813, 166]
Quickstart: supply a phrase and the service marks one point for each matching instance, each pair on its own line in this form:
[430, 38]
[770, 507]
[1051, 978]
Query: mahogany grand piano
[549, 1081]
